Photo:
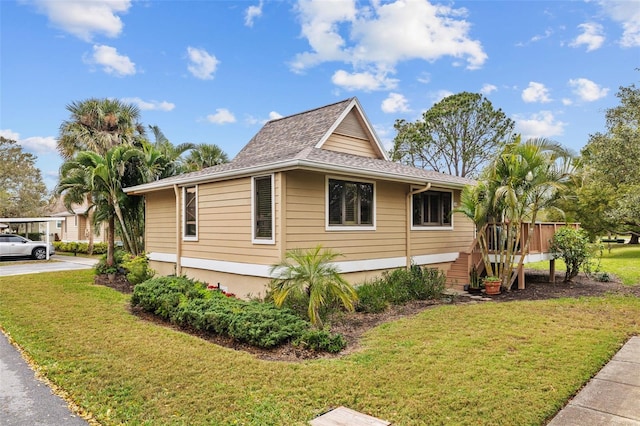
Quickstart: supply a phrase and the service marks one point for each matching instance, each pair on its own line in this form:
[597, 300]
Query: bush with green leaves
[79, 247]
[137, 268]
[400, 286]
[188, 303]
[102, 267]
[573, 247]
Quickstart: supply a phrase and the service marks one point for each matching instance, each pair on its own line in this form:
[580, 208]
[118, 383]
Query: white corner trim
[436, 258]
[162, 257]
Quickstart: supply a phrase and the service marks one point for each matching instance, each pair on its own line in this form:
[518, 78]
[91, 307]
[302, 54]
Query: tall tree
[101, 176]
[458, 135]
[611, 182]
[22, 191]
[97, 125]
[203, 156]
[172, 164]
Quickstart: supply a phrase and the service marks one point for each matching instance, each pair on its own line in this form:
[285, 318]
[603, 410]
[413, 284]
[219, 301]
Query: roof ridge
[311, 110]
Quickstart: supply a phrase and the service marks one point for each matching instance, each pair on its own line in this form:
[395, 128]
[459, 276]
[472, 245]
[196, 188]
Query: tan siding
[352, 126]
[350, 145]
[444, 241]
[306, 220]
[224, 225]
[160, 227]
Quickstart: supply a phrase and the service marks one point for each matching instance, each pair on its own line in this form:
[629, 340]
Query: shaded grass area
[621, 260]
[491, 363]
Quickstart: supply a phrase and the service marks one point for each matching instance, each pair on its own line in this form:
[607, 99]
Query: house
[317, 177]
[74, 225]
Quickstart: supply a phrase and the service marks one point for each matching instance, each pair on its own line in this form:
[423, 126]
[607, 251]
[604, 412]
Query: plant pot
[492, 287]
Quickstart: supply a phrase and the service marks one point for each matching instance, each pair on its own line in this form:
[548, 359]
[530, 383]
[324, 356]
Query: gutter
[289, 165]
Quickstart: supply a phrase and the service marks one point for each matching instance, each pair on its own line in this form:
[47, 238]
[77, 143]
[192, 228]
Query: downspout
[176, 191]
[409, 219]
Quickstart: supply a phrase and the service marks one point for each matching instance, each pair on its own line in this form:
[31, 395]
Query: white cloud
[547, 33]
[222, 116]
[202, 64]
[251, 13]
[627, 12]
[150, 105]
[273, 115]
[424, 78]
[440, 95]
[111, 61]
[566, 101]
[591, 36]
[34, 144]
[539, 125]
[381, 35]
[395, 102]
[587, 90]
[536, 92]
[363, 81]
[84, 18]
[488, 89]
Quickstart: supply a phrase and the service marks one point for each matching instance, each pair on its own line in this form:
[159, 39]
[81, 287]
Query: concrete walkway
[612, 397]
[57, 263]
[25, 400]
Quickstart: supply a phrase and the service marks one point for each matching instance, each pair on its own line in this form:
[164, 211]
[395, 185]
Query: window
[432, 208]
[263, 210]
[350, 203]
[190, 213]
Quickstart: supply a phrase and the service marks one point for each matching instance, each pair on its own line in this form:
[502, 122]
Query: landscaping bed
[353, 325]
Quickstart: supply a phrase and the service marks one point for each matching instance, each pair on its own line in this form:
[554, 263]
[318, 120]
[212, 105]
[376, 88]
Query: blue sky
[215, 71]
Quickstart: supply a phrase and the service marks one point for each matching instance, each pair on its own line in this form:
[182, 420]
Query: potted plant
[492, 285]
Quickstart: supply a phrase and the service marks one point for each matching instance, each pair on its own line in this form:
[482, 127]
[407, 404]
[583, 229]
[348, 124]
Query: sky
[216, 71]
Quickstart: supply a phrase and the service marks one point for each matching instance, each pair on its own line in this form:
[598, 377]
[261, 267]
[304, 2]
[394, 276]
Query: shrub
[188, 303]
[400, 286]
[79, 247]
[572, 246]
[102, 268]
[137, 268]
[322, 340]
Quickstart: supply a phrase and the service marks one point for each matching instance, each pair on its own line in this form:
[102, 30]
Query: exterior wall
[225, 253]
[72, 228]
[225, 225]
[425, 241]
[160, 222]
[350, 137]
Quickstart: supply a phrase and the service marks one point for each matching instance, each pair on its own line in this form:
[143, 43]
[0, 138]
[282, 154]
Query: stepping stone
[343, 416]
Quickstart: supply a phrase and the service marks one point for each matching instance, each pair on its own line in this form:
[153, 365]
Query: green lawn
[620, 260]
[485, 363]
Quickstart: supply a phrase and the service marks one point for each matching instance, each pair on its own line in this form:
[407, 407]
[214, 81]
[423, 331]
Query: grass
[620, 260]
[492, 363]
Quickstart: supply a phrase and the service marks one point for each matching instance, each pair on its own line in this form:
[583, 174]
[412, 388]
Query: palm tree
[311, 275]
[205, 155]
[525, 179]
[101, 176]
[170, 152]
[97, 125]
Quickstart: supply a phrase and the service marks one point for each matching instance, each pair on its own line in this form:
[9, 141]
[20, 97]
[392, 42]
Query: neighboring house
[318, 177]
[74, 225]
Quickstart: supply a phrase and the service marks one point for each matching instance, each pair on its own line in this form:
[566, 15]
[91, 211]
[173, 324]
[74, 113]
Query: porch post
[176, 191]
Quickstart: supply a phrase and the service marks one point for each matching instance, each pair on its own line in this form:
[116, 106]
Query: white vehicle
[12, 245]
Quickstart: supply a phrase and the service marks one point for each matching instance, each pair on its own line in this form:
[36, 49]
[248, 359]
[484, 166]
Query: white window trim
[271, 240]
[328, 227]
[184, 213]
[434, 228]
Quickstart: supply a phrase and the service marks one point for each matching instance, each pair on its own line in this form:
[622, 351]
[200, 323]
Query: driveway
[56, 263]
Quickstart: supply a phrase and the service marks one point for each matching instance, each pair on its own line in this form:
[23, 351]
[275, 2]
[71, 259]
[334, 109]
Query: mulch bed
[353, 325]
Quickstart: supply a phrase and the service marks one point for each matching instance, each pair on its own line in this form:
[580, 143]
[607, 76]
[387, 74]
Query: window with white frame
[263, 210]
[432, 208]
[190, 212]
[350, 203]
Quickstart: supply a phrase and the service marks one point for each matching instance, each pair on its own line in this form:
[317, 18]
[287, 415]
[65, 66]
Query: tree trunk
[111, 240]
[90, 220]
[635, 239]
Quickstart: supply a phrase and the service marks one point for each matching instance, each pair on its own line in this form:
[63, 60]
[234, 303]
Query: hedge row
[189, 303]
[79, 247]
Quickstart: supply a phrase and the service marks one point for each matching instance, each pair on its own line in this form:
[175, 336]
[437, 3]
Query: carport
[28, 220]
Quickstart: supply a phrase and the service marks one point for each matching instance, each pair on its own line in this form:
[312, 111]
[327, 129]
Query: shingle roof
[290, 142]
